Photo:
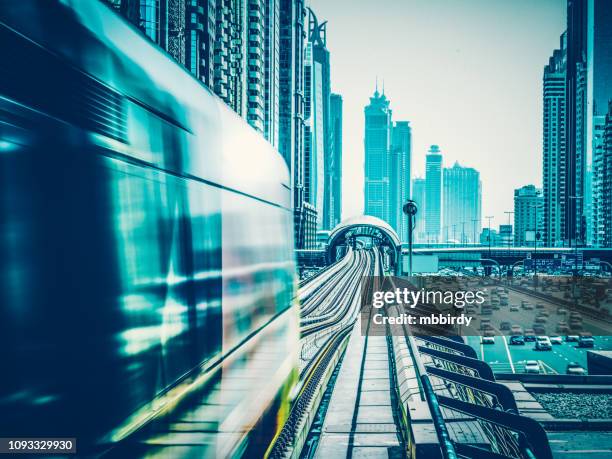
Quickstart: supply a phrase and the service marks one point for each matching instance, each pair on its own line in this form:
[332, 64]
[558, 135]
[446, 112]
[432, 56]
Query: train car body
[145, 238]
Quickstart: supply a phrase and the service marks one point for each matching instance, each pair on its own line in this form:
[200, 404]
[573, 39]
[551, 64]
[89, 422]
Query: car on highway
[527, 306]
[574, 368]
[488, 340]
[532, 366]
[586, 341]
[517, 340]
[556, 339]
[572, 338]
[530, 335]
[543, 344]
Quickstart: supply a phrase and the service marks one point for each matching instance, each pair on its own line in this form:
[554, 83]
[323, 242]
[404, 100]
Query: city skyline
[499, 80]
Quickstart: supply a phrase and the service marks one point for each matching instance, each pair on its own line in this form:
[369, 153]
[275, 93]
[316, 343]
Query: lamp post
[489, 217]
[462, 234]
[510, 213]
[410, 209]
[575, 198]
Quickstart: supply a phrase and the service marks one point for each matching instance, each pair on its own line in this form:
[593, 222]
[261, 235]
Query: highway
[506, 358]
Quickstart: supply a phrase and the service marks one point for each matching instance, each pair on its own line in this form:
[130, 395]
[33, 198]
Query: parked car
[561, 311]
[540, 305]
[539, 329]
[543, 344]
[532, 366]
[556, 339]
[516, 330]
[541, 319]
[504, 325]
[514, 308]
[517, 340]
[574, 368]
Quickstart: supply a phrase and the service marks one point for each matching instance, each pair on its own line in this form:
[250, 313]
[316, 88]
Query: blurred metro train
[145, 238]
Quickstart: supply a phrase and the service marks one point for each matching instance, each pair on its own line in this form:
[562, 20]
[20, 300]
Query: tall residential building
[316, 113]
[418, 196]
[400, 158]
[588, 89]
[606, 202]
[232, 46]
[335, 169]
[229, 55]
[528, 216]
[292, 42]
[554, 147]
[162, 21]
[433, 194]
[317, 94]
[597, 183]
[377, 145]
[271, 68]
[200, 35]
[462, 204]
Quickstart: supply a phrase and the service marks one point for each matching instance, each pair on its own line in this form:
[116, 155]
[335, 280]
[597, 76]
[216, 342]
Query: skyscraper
[271, 11]
[433, 194]
[418, 195]
[162, 21]
[292, 41]
[232, 46]
[316, 113]
[554, 147]
[377, 145]
[335, 166]
[317, 93]
[606, 201]
[528, 215]
[229, 57]
[462, 203]
[399, 170]
[588, 89]
[597, 183]
[200, 36]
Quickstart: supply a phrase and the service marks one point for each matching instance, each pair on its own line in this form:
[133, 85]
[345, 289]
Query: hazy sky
[467, 74]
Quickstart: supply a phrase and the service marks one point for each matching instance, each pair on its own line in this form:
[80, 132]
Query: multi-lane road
[506, 358]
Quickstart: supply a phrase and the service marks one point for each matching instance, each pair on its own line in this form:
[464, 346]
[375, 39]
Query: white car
[556, 339]
[543, 344]
[532, 366]
[574, 368]
[488, 340]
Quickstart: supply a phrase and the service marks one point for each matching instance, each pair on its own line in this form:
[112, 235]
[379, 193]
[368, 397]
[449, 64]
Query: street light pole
[510, 212]
[462, 234]
[576, 236]
[410, 209]
[474, 221]
[489, 217]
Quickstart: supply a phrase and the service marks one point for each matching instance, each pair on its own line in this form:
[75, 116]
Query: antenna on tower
[376, 91]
